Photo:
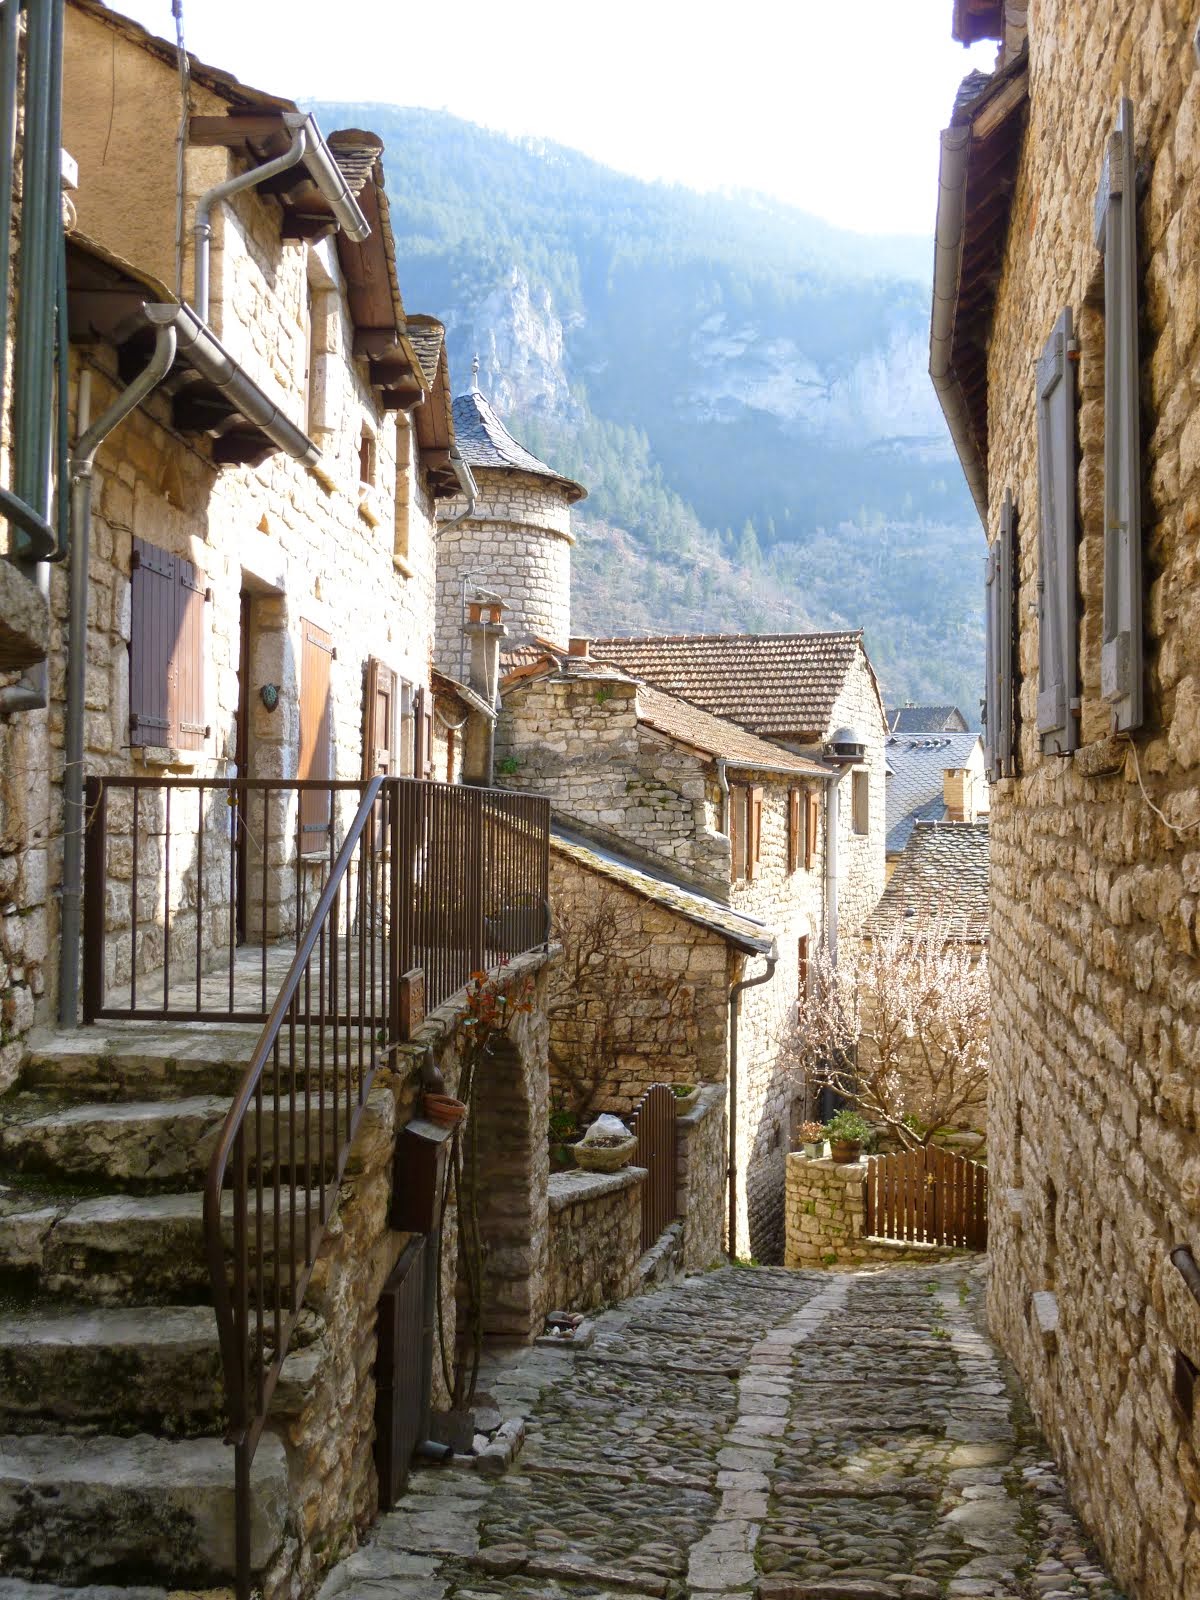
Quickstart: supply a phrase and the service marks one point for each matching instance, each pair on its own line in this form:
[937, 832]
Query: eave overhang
[977, 172]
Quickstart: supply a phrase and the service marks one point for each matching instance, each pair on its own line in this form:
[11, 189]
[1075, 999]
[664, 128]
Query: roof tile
[941, 878]
[485, 442]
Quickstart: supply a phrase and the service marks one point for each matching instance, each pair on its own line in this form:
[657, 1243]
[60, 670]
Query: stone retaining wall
[825, 1218]
[701, 1157]
[595, 1237]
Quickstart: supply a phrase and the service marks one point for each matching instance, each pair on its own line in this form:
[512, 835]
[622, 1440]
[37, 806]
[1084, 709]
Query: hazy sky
[830, 105]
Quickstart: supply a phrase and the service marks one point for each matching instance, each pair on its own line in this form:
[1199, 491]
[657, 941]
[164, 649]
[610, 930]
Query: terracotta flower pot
[445, 1109]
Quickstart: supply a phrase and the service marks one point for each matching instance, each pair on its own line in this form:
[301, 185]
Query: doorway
[241, 756]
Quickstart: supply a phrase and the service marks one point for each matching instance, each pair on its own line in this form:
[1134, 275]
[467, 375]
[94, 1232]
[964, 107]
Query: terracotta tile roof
[743, 932]
[781, 684]
[485, 442]
[715, 736]
[915, 790]
[926, 719]
[942, 877]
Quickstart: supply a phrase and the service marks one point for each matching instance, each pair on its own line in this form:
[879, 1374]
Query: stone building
[262, 432]
[911, 718]
[802, 691]
[707, 824]
[1064, 346]
[932, 777]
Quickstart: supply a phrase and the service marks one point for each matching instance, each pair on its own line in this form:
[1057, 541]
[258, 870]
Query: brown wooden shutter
[168, 627]
[810, 830]
[422, 729]
[428, 736]
[185, 680]
[794, 822]
[754, 830]
[152, 621]
[802, 967]
[737, 832]
[379, 720]
[316, 726]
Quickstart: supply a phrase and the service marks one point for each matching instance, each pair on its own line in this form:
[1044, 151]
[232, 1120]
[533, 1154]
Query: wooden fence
[926, 1196]
[653, 1121]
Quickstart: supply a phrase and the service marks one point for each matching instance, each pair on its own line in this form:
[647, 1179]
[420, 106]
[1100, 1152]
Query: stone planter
[604, 1157]
[814, 1151]
[687, 1102]
[844, 1151]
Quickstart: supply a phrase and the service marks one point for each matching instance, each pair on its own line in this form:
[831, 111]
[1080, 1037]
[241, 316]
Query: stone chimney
[958, 794]
[484, 629]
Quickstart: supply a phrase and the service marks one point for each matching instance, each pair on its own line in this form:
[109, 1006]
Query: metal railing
[653, 1120]
[196, 890]
[445, 874]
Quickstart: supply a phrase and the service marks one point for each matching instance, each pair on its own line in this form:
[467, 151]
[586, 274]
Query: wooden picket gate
[926, 1196]
[653, 1121]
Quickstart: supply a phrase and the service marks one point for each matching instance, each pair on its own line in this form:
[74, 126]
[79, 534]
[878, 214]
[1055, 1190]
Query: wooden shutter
[754, 809]
[737, 832]
[379, 720]
[999, 699]
[423, 734]
[810, 829]
[802, 967]
[1121, 666]
[316, 729]
[991, 601]
[795, 816]
[168, 627]
[1058, 631]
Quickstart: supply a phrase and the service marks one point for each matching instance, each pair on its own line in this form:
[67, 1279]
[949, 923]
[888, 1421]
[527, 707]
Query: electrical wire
[1175, 827]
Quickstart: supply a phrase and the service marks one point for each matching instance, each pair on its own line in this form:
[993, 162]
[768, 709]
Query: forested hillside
[741, 387]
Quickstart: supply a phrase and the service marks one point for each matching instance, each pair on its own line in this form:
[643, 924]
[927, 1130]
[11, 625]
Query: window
[322, 397]
[167, 631]
[811, 807]
[407, 744]
[745, 830]
[797, 815]
[379, 716]
[316, 732]
[406, 471]
[861, 801]
[366, 457]
[1058, 630]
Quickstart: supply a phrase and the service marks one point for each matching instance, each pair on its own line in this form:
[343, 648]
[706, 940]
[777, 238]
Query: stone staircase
[113, 1466]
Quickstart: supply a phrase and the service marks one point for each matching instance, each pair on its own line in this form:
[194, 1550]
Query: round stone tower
[516, 544]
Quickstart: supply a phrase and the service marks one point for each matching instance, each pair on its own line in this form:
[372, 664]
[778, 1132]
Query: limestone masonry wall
[595, 1237]
[1094, 1110]
[702, 1158]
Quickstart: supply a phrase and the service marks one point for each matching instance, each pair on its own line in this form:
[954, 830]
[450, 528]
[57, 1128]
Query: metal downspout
[831, 870]
[202, 226]
[466, 482]
[723, 785]
[735, 994]
[82, 463]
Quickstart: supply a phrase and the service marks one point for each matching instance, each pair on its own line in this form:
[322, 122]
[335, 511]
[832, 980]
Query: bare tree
[901, 1028]
[606, 998]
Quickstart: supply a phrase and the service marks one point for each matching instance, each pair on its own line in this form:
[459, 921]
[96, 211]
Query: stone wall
[595, 1238]
[518, 545]
[701, 1162]
[861, 869]
[1096, 987]
[826, 1218]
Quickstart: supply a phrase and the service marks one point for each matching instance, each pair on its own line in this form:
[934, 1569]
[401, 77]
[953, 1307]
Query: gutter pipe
[735, 994]
[82, 464]
[202, 226]
[328, 176]
[466, 482]
[831, 872]
[723, 785]
[947, 262]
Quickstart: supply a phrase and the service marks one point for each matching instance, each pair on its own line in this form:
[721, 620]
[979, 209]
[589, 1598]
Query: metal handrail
[253, 1349]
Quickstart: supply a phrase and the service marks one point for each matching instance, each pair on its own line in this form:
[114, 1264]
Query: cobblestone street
[753, 1432]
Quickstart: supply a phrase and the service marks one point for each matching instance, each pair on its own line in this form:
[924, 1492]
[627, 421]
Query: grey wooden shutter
[316, 731]
[991, 593]
[1121, 663]
[1058, 633]
[1006, 598]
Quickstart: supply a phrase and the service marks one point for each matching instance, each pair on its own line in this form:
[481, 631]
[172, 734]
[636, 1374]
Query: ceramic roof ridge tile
[485, 442]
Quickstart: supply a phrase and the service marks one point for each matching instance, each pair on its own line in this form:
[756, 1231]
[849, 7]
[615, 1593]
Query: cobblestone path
[753, 1432]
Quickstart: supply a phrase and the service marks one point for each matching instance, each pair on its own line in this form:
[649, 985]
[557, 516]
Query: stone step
[121, 1249]
[24, 1589]
[132, 1511]
[145, 1368]
[148, 1144]
[141, 1060]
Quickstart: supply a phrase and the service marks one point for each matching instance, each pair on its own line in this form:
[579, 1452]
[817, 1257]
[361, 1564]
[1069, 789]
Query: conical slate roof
[484, 441]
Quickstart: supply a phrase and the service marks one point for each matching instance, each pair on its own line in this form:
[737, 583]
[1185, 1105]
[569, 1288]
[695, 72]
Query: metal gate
[653, 1121]
[926, 1196]
[398, 1377]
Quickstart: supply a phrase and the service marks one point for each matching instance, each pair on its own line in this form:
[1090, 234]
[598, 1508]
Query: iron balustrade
[197, 890]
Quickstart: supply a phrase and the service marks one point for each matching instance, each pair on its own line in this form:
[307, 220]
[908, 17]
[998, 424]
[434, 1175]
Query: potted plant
[812, 1136]
[847, 1134]
[686, 1096]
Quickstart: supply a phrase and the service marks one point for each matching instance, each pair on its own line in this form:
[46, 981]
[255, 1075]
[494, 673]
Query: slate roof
[484, 441]
[717, 737]
[781, 684]
[926, 719]
[743, 932]
[427, 337]
[915, 792]
[942, 878]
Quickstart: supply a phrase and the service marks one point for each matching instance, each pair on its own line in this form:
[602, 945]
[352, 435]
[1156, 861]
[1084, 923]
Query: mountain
[742, 387]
